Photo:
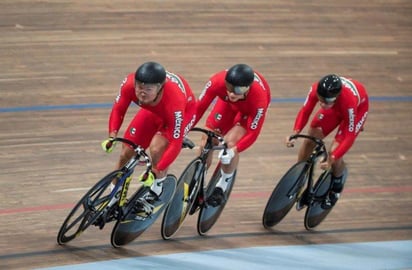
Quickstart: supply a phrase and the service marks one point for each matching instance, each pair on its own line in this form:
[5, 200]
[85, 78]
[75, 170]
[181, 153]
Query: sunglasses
[327, 100]
[148, 87]
[237, 90]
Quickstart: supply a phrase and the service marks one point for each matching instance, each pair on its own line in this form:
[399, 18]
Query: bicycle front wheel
[86, 211]
[208, 214]
[285, 194]
[183, 200]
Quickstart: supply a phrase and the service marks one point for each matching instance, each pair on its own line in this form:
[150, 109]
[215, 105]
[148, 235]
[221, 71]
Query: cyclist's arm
[215, 87]
[120, 105]
[305, 111]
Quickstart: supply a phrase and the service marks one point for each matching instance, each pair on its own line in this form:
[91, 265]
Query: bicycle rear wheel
[285, 195]
[132, 224]
[315, 214]
[180, 205]
[208, 214]
[87, 210]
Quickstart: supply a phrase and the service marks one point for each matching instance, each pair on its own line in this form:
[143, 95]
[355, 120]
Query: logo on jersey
[133, 131]
[360, 123]
[178, 124]
[189, 126]
[351, 113]
[320, 116]
[255, 122]
[218, 117]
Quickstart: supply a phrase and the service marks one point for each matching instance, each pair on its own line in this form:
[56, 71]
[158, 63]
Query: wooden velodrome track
[62, 64]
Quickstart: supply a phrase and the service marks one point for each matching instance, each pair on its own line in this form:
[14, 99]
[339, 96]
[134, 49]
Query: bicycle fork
[297, 188]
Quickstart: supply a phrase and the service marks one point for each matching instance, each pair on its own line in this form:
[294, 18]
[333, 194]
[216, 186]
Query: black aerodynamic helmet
[240, 75]
[329, 86]
[150, 73]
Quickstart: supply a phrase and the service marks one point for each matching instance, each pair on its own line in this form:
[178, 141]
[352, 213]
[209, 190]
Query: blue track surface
[370, 255]
[109, 105]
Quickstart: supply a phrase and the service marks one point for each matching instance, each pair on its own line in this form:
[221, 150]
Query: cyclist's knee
[338, 167]
[316, 132]
[158, 146]
[125, 155]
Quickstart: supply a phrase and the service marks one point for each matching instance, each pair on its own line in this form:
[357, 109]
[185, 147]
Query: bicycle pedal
[194, 208]
[142, 216]
[101, 225]
[300, 205]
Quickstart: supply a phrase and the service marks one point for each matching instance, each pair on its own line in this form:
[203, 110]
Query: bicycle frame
[192, 191]
[307, 173]
[97, 208]
[124, 181]
[204, 154]
[318, 151]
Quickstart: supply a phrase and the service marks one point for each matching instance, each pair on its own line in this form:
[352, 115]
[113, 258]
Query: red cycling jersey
[173, 116]
[349, 112]
[249, 112]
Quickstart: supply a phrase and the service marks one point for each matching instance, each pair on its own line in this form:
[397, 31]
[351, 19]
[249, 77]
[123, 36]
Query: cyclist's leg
[227, 170]
[163, 139]
[307, 145]
[230, 127]
[339, 166]
[337, 180]
[140, 131]
[223, 119]
[219, 120]
[323, 123]
[146, 130]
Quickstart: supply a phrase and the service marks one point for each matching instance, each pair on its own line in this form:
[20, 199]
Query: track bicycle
[100, 206]
[298, 186]
[192, 193]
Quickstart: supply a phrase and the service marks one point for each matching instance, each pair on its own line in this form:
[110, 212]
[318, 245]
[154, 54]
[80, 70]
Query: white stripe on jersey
[347, 83]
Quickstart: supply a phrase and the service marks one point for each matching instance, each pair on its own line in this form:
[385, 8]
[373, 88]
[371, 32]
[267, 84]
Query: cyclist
[167, 111]
[343, 104]
[243, 97]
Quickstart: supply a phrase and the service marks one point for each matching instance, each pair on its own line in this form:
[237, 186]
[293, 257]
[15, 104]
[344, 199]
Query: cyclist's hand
[226, 158]
[147, 178]
[289, 142]
[327, 164]
[108, 145]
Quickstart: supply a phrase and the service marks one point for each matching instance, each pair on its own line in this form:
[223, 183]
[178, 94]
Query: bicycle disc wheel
[315, 214]
[180, 205]
[208, 214]
[281, 200]
[131, 225]
[86, 211]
